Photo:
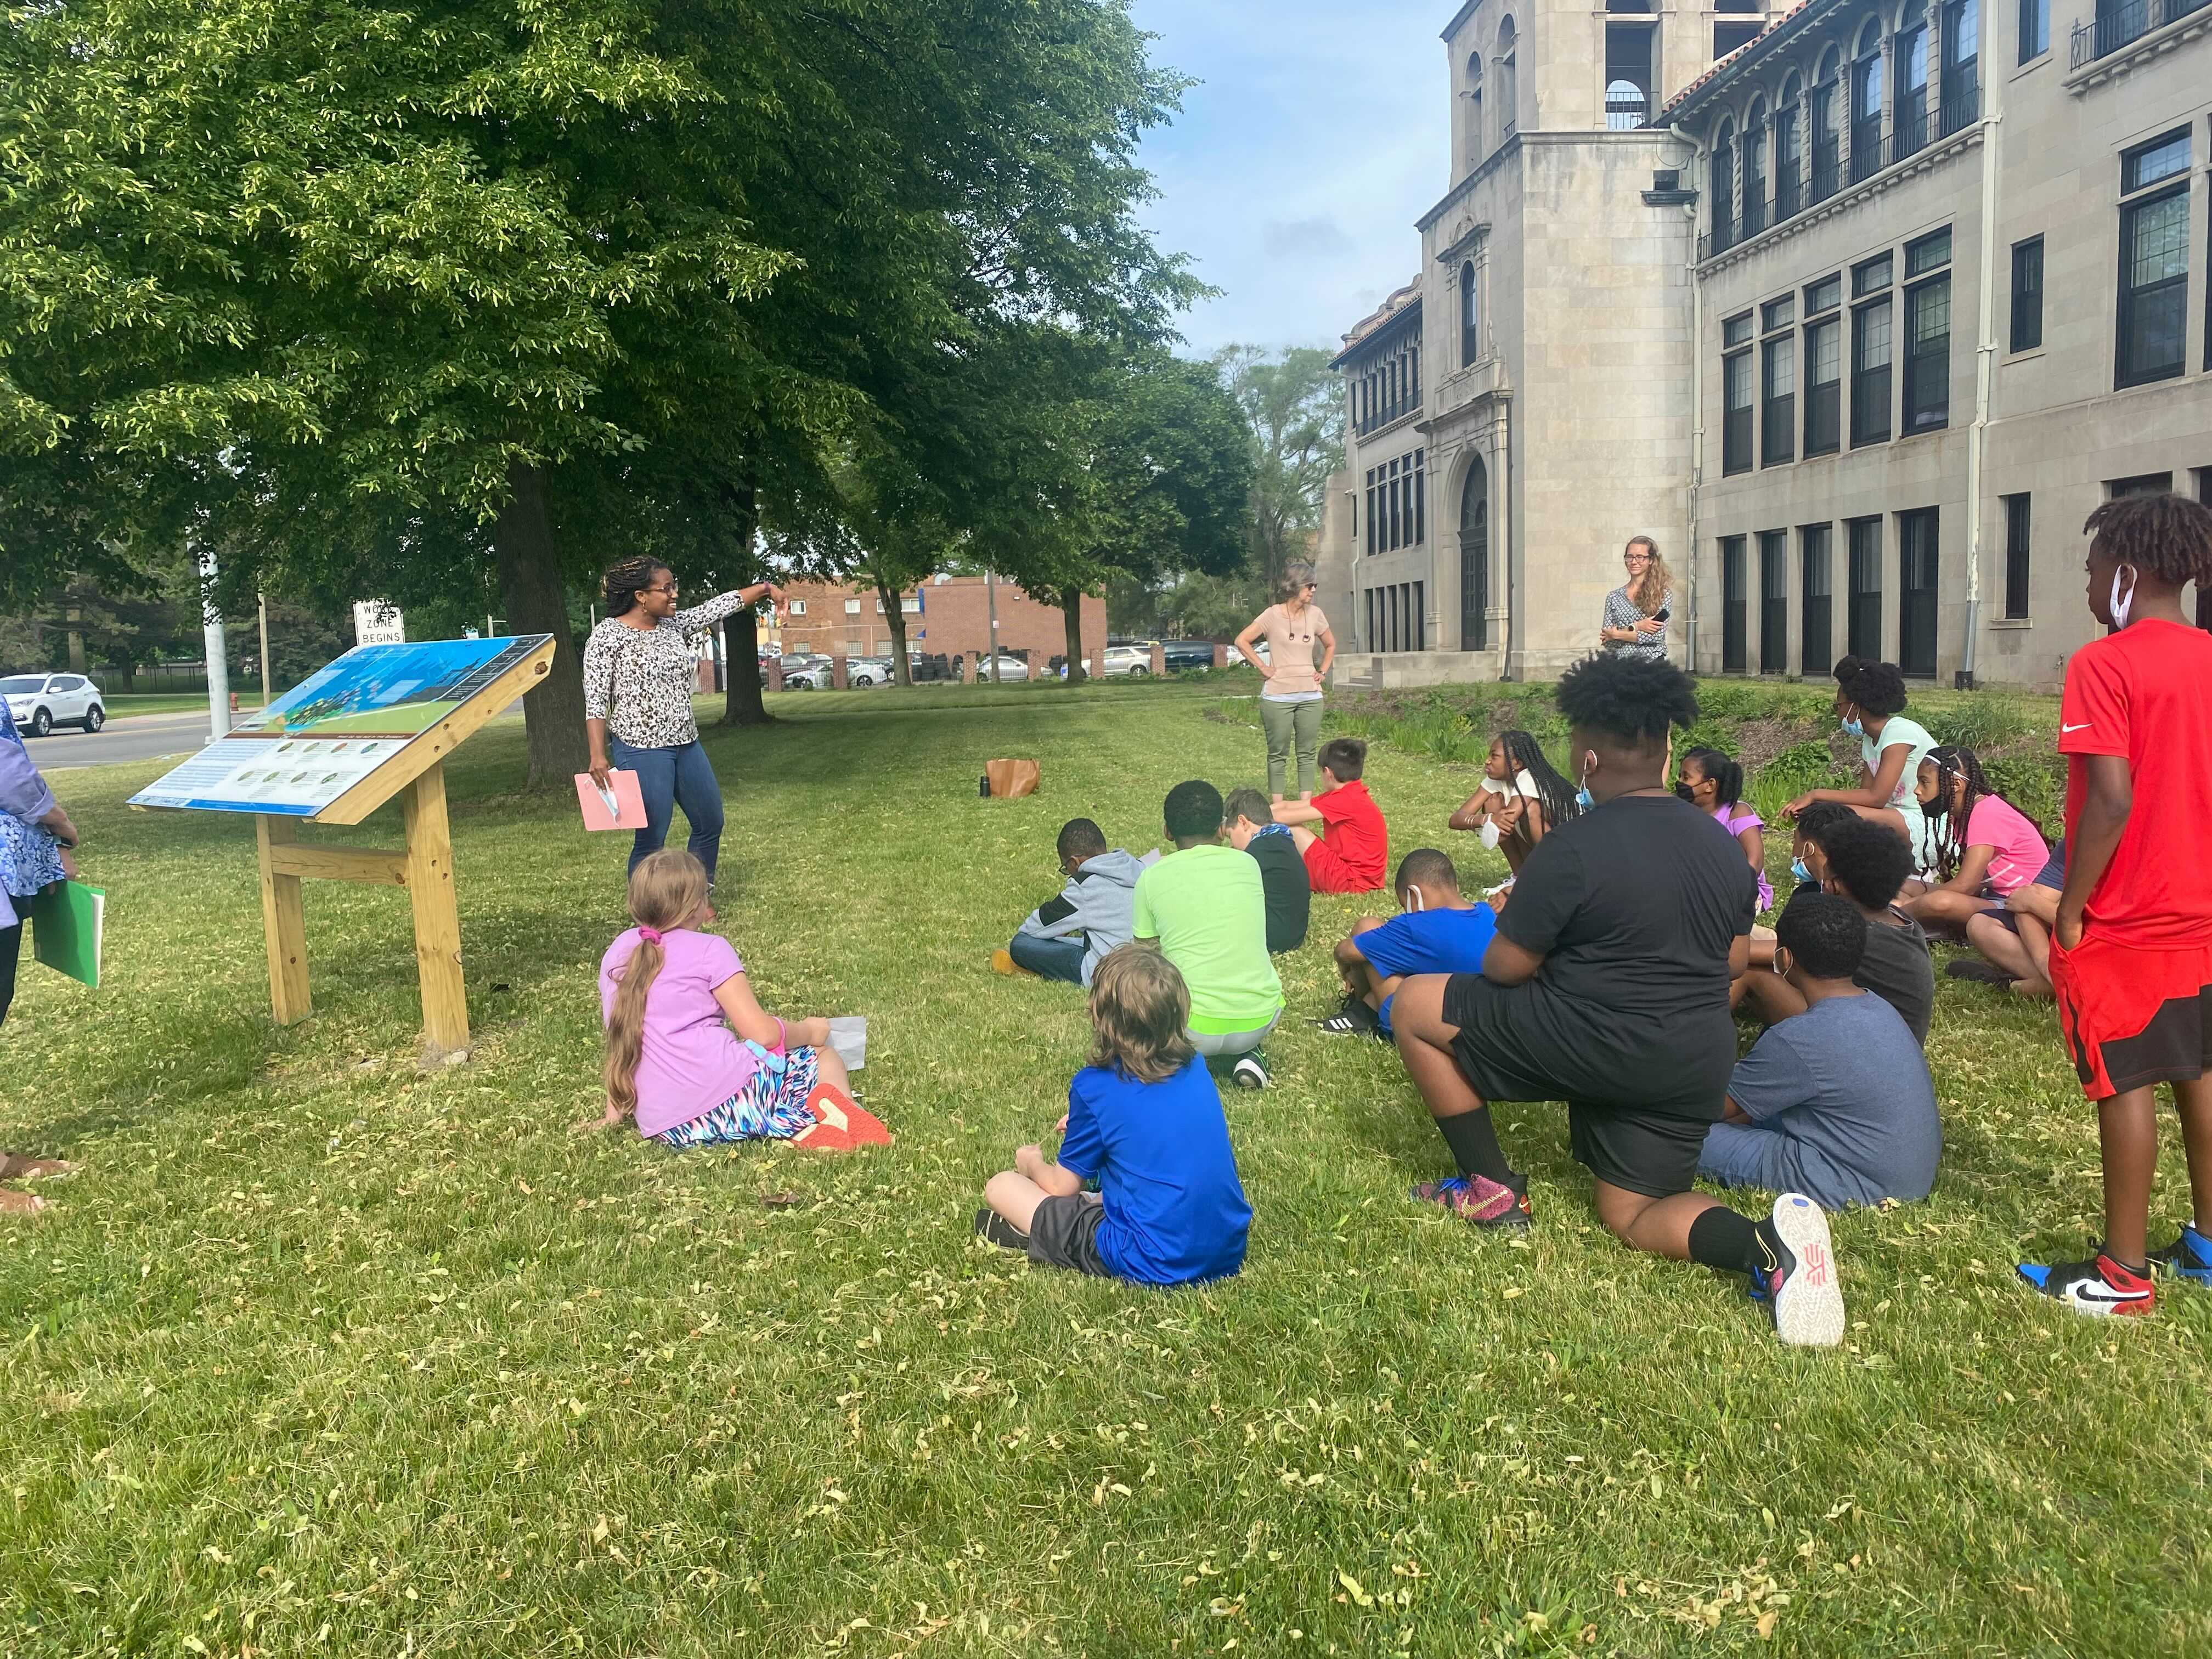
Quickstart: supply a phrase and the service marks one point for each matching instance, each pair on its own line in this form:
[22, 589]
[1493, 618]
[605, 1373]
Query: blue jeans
[667, 779]
[1049, 958]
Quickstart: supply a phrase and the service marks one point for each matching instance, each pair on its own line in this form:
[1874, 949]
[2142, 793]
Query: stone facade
[1580, 315]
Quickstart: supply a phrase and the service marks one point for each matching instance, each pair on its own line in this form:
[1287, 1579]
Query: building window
[853, 607]
[1773, 601]
[1754, 170]
[1824, 295]
[1816, 602]
[1734, 603]
[2153, 287]
[1509, 112]
[2034, 29]
[1389, 383]
[1420, 618]
[1788, 154]
[1474, 109]
[1778, 419]
[1374, 545]
[1909, 120]
[799, 607]
[1916, 592]
[1627, 75]
[1862, 631]
[1474, 557]
[1730, 37]
[1735, 423]
[1962, 73]
[2027, 294]
[1870, 277]
[1824, 386]
[1827, 129]
[1870, 355]
[1724, 188]
[1928, 359]
[1469, 315]
[1866, 104]
[2143, 483]
[1737, 331]
[2017, 523]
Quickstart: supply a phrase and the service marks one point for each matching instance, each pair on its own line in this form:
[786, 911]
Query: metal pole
[991, 600]
[262, 601]
[218, 668]
[490, 633]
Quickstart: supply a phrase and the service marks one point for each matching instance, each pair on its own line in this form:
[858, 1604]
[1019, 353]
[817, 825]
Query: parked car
[805, 671]
[1132, 660]
[39, 702]
[868, 670]
[1185, 655]
[1010, 668]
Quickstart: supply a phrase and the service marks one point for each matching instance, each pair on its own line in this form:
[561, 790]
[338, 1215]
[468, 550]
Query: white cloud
[1317, 137]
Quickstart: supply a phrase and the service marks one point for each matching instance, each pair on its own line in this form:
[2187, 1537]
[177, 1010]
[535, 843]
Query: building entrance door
[1474, 558]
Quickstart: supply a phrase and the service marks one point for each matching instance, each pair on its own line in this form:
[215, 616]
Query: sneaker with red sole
[840, 1123]
[1797, 1281]
[1477, 1199]
[2099, 1287]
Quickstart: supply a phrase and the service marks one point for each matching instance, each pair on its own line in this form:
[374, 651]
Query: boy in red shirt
[1351, 856]
[2132, 953]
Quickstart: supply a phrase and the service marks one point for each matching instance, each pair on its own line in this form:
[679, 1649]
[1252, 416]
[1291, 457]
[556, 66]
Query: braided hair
[626, 579]
[1554, 792]
[1954, 762]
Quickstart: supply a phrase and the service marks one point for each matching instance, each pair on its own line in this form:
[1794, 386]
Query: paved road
[134, 738]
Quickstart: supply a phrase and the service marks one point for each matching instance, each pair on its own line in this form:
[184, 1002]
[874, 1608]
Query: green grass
[324, 1354]
[167, 702]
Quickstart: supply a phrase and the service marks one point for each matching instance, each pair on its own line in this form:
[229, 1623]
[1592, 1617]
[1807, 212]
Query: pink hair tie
[648, 935]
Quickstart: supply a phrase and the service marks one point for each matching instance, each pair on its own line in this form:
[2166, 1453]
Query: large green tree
[1293, 402]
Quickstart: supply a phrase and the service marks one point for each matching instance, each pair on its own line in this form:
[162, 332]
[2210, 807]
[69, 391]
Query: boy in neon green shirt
[1203, 907]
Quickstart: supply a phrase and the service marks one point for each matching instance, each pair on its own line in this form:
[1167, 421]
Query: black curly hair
[626, 579]
[1826, 935]
[1726, 772]
[1822, 819]
[2167, 538]
[1193, 811]
[1870, 861]
[1872, 687]
[1633, 699]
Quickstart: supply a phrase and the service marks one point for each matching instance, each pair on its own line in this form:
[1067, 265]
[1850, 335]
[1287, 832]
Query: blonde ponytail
[666, 890]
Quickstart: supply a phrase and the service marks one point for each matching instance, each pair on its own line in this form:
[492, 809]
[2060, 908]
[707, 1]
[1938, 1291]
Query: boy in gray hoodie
[1064, 938]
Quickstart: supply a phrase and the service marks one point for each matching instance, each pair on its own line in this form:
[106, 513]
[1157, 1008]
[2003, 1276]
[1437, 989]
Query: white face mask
[1488, 836]
[2122, 603]
[1414, 903]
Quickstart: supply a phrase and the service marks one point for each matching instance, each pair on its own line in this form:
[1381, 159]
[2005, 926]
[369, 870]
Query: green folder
[65, 929]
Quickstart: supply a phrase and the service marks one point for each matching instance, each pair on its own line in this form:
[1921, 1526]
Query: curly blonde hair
[1649, 590]
[1141, 1008]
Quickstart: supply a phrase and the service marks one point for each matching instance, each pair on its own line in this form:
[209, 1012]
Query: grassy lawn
[168, 703]
[324, 1354]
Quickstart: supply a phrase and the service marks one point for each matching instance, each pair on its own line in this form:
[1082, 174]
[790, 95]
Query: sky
[1319, 132]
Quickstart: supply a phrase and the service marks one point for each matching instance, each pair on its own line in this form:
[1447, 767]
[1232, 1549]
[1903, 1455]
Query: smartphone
[1663, 613]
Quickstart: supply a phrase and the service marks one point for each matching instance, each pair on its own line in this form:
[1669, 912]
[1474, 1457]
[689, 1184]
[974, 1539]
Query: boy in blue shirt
[1145, 1121]
[1436, 931]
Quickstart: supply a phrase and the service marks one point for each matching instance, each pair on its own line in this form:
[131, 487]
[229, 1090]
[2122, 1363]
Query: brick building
[946, 616]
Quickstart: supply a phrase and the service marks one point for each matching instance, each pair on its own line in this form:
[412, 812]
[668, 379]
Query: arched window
[1908, 124]
[1962, 82]
[1470, 315]
[1508, 110]
[1788, 150]
[1754, 168]
[1866, 104]
[1723, 187]
[1626, 108]
[1473, 107]
[1474, 557]
[1828, 128]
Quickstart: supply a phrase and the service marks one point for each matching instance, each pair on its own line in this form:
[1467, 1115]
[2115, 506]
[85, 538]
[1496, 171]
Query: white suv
[39, 702]
[1134, 661]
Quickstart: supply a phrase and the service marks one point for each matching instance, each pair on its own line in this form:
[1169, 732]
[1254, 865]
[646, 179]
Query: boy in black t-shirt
[1608, 988]
[1249, 823]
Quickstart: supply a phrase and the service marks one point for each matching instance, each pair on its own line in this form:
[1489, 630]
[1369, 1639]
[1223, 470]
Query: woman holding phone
[1637, 613]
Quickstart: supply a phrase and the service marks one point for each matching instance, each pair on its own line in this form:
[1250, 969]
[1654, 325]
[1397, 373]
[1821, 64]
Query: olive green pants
[1285, 724]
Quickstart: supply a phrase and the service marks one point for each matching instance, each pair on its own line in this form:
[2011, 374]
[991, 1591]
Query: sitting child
[1868, 864]
[1356, 849]
[1064, 938]
[1249, 821]
[1522, 796]
[691, 1053]
[2015, 943]
[1437, 932]
[1808, 864]
[1145, 1121]
[1985, 847]
[1713, 783]
[1836, 1103]
[1204, 907]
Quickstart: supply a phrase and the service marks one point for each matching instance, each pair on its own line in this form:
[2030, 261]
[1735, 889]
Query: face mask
[1780, 972]
[2122, 603]
[1414, 903]
[1797, 869]
[1686, 792]
[1488, 836]
[1582, 795]
[1854, 728]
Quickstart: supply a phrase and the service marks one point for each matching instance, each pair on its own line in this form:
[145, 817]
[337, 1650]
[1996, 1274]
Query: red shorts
[1328, 872]
[2133, 1016]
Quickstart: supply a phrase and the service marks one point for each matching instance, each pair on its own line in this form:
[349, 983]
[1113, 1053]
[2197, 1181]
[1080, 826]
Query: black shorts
[1653, 1153]
[1509, 1048]
[1064, 1233]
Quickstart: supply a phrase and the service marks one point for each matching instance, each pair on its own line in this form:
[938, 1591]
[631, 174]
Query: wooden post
[437, 918]
[284, 923]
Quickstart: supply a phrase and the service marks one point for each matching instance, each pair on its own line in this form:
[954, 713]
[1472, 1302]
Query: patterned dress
[1621, 612]
[639, 680]
[30, 854]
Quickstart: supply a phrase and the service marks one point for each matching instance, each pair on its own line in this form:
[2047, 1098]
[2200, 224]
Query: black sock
[1473, 1142]
[1734, 1243]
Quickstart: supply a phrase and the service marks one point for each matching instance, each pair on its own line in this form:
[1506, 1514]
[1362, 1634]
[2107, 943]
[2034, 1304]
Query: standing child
[2131, 955]
[1357, 848]
[691, 1053]
[1713, 783]
[1522, 796]
[1435, 931]
[1249, 822]
[1144, 1121]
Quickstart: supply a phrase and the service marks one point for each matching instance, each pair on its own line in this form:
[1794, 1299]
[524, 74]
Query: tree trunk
[1071, 608]
[537, 602]
[741, 678]
[895, 614]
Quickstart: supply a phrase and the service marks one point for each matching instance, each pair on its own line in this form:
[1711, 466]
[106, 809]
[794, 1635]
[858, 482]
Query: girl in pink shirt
[691, 1053]
[1713, 783]
[1984, 846]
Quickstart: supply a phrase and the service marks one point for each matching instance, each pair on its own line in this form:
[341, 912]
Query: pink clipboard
[619, 806]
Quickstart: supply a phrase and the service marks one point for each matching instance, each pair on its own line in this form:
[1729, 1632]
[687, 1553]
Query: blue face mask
[1797, 869]
[1582, 795]
[1855, 728]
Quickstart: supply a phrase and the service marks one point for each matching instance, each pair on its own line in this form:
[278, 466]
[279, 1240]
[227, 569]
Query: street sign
[375, 622]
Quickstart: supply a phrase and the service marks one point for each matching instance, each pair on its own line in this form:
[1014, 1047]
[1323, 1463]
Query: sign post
[377, 723]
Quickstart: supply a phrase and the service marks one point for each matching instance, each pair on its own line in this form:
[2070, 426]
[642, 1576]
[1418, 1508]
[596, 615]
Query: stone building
[1660, 215]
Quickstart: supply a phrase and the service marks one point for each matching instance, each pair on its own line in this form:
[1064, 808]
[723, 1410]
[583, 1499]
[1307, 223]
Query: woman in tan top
[1289, 693]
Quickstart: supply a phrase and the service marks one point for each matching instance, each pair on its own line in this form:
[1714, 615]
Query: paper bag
[618, 806]
[1011, 778]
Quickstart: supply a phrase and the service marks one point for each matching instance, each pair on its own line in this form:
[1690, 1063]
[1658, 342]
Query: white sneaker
[1248, 1073]
[1807, 1302]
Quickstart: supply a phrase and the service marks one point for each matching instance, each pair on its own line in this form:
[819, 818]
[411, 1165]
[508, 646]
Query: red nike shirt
[1356, 832]
[2145, 693]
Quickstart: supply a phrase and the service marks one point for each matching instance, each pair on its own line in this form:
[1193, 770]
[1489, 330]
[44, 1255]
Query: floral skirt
[772, 1106]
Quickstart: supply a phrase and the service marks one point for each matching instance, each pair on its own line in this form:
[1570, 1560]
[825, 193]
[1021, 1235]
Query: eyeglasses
[668, 588]
[1636, 558]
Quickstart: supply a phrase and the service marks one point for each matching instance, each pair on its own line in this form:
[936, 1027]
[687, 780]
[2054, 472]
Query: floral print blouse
[639, 680]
